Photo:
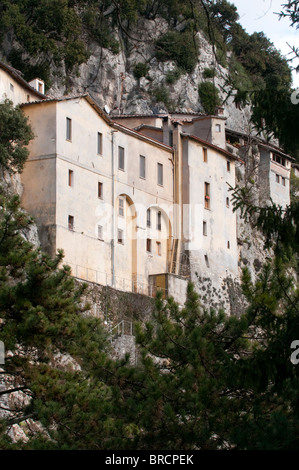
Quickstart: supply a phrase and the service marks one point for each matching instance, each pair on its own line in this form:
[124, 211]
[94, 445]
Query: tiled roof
[17, 75]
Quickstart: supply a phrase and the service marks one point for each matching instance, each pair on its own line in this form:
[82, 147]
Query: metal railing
[120, 283]
[124, 327]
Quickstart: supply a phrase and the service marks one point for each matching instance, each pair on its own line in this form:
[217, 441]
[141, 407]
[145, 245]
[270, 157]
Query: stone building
[140, 202]
[16, 89]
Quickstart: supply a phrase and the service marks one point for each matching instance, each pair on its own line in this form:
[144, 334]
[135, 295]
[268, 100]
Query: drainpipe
[113, 211]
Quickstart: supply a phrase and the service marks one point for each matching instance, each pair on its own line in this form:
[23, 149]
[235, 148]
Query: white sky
[258, 15]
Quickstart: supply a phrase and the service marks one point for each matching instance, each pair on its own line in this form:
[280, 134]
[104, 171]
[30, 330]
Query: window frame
[142, 159]
[121, 158]
[100, 143]
[68, 134]
[160, 175]
[71, 223]
[207, 195]
[100, 190]
[120, 236]
[71, 178]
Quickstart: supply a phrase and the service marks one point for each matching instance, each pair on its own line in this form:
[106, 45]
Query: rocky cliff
[112, 80]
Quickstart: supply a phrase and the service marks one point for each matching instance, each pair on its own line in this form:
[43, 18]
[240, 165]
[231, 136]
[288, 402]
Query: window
[120, 236]
[148, 217]
[100, 190]
[100, 232]
[158, 248]
[71, 222]
[228, 245]
[171, 138]
[228, 165]
[280, 160]
[204, 228]
[40, 87]
[71, 177]
[11, 87]
[160, 174]
[148, 245]
[227, 202]
[68, 129]
[207, 195]
[218, 128]
[141, 166]
[100, 144]
[283, 181]
[205, 154]
[159, 218]
[207, 261]
[277, 178]
[121, 210]
[121, 158]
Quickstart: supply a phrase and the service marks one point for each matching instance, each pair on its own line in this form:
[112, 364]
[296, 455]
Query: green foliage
[47, 31]
[209, 97]
[140, 70]
[173, 75]
[239, 81]
[180, 47]
[41, 313]
[161, 95]
[209, 73]
[15, 134]
[294, 187]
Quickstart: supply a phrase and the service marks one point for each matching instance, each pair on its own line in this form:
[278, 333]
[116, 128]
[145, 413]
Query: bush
[140, 70]
[209, 73]
[209, 97]
[178, 47]
[173, 76]
[161, 95]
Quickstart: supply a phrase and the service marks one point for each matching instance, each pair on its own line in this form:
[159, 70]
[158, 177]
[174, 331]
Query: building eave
[16, 75]
[224, 152]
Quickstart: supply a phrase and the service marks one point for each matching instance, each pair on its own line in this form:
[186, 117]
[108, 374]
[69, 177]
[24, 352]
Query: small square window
[218, 128]
[120, 236]
[71, 222]
[100, 190]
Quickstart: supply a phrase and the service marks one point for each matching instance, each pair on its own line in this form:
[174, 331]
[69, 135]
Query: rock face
[110, 78]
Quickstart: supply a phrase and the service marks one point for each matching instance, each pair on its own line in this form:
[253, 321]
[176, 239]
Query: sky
[259, 15]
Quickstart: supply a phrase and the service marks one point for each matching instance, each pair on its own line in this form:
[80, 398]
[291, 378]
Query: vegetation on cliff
[41, 36]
